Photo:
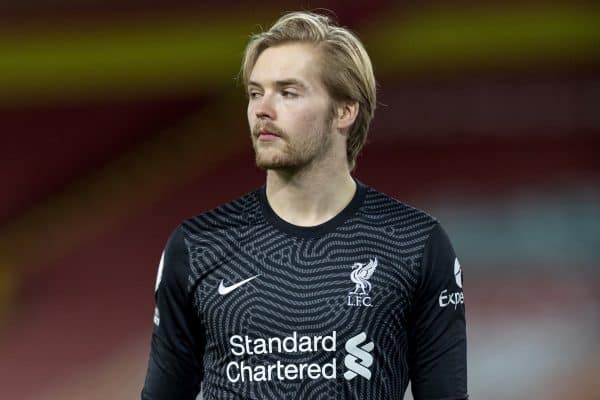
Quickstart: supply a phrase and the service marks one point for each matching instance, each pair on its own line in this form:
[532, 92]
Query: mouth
[267, 135]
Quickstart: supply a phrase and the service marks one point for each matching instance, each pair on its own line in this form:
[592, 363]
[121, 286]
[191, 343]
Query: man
[315, 286]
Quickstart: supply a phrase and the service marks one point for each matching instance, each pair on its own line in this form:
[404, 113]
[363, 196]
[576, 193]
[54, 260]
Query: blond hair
[347, 75]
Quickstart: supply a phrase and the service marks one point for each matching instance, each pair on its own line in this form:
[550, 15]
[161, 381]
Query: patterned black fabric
[256, 308]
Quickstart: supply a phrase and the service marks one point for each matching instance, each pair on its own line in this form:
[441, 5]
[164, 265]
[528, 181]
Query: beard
[288, 153]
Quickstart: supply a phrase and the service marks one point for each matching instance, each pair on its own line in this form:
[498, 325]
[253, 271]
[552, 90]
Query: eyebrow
[282, 83]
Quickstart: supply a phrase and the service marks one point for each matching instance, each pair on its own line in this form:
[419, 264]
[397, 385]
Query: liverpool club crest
[360, 275]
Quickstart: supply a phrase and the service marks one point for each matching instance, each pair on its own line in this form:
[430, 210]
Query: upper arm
[438, 365]
[175, 366]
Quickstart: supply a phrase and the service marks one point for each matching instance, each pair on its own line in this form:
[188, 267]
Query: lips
[267, 134]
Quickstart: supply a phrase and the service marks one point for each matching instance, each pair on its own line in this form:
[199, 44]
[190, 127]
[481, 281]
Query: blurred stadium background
[119, 118]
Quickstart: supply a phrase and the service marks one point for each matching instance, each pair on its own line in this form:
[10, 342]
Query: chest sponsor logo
[360, 275]
[359, 358]
[450, 298]
[357, 361]
[223, 290]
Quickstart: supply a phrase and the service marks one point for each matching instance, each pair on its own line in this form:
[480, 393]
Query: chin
[275, 162]
[270, 163]
[267, 158]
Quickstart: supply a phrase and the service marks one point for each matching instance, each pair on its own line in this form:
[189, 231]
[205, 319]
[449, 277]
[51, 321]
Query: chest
[310, 289]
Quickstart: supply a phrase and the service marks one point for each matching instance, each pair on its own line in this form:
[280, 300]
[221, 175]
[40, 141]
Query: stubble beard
[287, 155]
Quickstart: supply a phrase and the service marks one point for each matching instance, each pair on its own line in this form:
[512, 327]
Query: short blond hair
[347, 76]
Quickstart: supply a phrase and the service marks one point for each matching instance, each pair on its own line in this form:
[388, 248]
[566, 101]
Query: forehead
[287, 61]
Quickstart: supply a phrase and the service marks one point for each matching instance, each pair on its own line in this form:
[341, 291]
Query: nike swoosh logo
[223, 290]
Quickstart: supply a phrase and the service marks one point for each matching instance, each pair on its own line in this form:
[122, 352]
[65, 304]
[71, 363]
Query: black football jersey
[252, 307]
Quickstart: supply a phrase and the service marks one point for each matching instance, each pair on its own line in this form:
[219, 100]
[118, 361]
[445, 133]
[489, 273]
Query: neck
[311, 196]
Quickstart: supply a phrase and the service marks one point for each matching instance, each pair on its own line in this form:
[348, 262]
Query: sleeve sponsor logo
[161, 264]
[457, 273]
[447, 298]
[454, 299]
[156, 317]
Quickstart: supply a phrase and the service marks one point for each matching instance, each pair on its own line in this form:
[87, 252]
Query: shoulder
[234, 215]
[181, 261]
[381, 208]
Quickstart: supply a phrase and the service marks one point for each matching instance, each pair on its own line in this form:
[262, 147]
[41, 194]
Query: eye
[289, 94]
[253, 94]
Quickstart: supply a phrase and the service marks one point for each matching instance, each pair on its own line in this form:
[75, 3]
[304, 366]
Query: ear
[346, 113]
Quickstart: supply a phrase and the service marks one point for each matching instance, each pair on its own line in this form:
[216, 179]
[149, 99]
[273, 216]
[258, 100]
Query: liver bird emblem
[361, 273]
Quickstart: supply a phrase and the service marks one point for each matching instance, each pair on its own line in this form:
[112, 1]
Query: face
[289, 109]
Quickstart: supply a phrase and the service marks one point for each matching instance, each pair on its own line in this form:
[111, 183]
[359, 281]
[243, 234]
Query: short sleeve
[174, 366]
[437, 333]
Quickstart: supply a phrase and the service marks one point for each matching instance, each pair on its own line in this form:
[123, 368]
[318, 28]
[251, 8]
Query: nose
[264, 107]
